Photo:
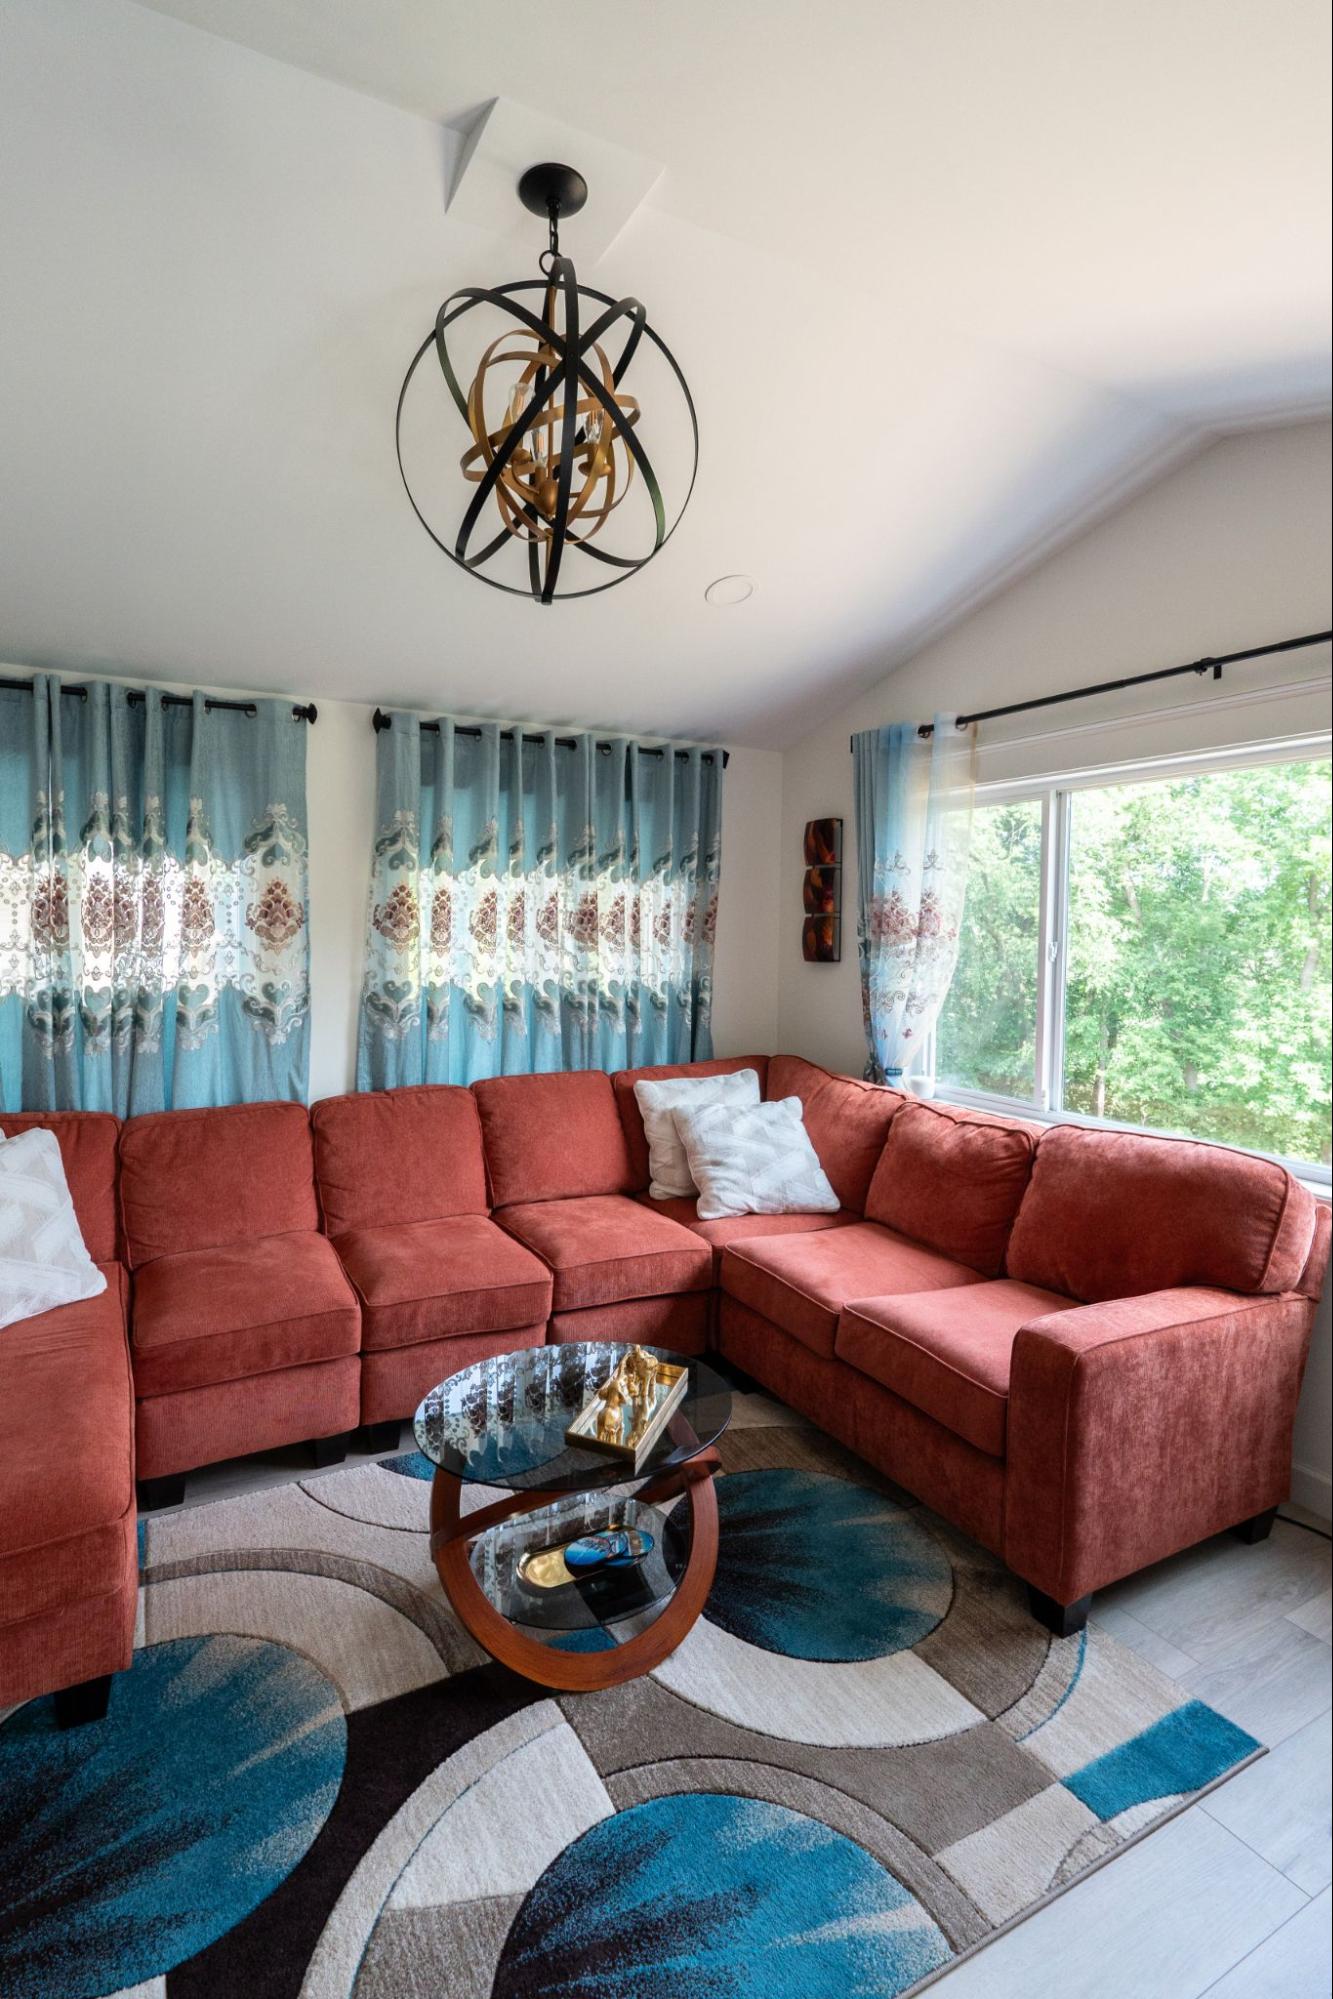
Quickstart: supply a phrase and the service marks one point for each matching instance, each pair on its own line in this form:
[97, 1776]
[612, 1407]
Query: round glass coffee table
[502, 1423]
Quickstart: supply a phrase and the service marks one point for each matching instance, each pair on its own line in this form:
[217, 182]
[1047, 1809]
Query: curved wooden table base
[451, 1530]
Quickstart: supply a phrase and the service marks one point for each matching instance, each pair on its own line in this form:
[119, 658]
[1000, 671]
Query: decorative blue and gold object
[618, 1548]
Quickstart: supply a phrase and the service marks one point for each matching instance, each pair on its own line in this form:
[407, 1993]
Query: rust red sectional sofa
[1083, 1347]
[69, 1567]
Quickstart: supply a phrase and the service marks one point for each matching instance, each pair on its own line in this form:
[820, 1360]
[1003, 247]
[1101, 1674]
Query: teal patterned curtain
[154, 941]
[913, 837]
[537, 906]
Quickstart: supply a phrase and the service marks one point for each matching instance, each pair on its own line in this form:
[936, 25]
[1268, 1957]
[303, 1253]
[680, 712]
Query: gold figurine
[639, 1370]
[611, 1422]
[629, 1409]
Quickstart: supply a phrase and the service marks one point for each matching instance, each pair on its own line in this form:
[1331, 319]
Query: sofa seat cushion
[432, 1280]
[67, 1469]
[947, 1352]
[802, 1282]
[240, 1309]
[605, 1247]
[743, 1228]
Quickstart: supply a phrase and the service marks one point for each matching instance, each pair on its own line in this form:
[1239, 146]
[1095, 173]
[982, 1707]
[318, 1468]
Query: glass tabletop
[502, 1422]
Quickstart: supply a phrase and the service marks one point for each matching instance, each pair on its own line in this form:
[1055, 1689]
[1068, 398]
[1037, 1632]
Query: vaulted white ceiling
[946, 281]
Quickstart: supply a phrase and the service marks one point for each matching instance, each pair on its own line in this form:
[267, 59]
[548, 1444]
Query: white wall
[1229, 550]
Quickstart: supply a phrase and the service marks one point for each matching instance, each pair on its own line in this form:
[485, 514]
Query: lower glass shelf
[596, 1610]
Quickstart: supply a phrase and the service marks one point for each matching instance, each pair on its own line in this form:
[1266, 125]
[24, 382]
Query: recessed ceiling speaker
[729, 590]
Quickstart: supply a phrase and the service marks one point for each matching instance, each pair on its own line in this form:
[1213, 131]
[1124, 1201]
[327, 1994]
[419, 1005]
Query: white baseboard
[1313, 1490]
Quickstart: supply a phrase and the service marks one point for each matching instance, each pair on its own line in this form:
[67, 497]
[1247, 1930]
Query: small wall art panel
[821, 892]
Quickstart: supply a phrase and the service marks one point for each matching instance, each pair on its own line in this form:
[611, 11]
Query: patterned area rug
[862, 1764]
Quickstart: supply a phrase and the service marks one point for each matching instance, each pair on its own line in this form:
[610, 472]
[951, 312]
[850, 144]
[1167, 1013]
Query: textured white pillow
[754, 1161]
[667, 1164]
[43, 1261]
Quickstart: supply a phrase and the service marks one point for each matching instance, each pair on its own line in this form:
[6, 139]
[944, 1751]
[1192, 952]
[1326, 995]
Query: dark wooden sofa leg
[1256, 1529]
[155, 1493]
[86, 1702]
[1062, 1620]
[376, 1437]
[330, 1450]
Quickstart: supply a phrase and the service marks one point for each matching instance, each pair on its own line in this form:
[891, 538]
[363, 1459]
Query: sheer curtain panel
[154, 939]
[537, 903]
[913, 801]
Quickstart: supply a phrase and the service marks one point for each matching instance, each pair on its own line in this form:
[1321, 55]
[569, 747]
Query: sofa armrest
[1140, 1426]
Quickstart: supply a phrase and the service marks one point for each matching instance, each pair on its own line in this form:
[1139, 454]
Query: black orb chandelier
[554, 434]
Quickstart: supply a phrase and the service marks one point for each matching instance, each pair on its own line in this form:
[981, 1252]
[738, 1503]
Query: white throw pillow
[43, 1261]
[667, 1164]
[754, 1161]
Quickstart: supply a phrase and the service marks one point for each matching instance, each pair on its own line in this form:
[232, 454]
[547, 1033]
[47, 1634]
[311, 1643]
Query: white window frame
[1055, 794]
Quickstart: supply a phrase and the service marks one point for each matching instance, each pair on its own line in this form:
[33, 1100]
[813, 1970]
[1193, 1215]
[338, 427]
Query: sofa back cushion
[631, 1116]
[551, 1137]
[195, 1179]
[1111, 1214]
[953, 1182]
[848, 1121]
[410, 1155]
[87, 1141]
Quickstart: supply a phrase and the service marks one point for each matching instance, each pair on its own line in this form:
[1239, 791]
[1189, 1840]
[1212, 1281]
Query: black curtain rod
[379, 720]
[302, 711]
[1209, 664]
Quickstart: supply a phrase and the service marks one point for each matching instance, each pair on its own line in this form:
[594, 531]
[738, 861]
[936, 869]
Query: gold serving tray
[627, 1415]
[544, 1568]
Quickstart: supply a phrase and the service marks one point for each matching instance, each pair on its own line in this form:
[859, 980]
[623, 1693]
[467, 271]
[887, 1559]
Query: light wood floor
[1232, 1898]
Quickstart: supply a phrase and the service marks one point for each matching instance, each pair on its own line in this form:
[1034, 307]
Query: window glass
[986, 1035]
[1198, 973]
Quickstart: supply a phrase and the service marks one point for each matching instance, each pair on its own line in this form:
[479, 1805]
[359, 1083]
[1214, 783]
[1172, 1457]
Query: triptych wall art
[821, 892]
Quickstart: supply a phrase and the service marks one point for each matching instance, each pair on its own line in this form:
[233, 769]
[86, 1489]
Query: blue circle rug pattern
[412, 1464]
[804, 1801]
[815, 1567]
[131, 1845]
[711, 1893]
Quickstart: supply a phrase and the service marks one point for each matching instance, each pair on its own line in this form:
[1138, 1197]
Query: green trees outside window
[986, 1035]
[1192, 989]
